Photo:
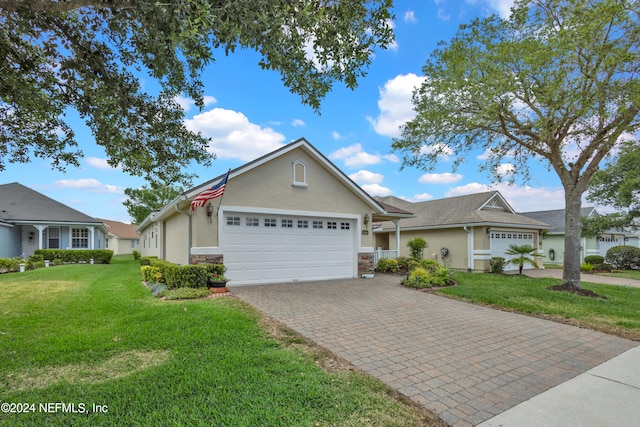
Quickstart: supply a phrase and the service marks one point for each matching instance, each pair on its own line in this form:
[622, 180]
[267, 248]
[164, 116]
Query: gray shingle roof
[555, 217]
[20, 203]
[472, 209]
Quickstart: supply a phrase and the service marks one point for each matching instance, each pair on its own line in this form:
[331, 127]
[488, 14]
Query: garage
[267, 248]
[500, 241]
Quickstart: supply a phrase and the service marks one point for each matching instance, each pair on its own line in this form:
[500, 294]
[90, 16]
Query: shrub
[403, 263]
[186, 276]
[594, 259]
[417, 245]
[586, 267]
[496, 265]
[99, 256]
[185, 293]
[433, 275]
[8, 265]
[412, 264]
[429, 264]
[386, 265]
[136, 254]
[603, 267]
[151, 274]
[624, 257]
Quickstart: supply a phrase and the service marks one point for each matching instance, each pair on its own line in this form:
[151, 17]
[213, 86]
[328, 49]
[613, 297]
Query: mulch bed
[580, 292]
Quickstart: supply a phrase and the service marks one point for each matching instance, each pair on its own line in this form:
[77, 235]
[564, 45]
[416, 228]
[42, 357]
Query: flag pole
[220, 203]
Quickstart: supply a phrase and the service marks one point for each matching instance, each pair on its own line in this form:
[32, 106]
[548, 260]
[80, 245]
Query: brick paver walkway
[464, 362]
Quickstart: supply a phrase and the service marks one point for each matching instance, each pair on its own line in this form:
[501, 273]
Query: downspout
[188, 231]
[470, 260]
[397, 223]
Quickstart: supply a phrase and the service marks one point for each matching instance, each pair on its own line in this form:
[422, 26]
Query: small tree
[522, 255]
[417, 245]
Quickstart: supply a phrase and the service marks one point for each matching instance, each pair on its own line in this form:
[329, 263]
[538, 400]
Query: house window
[299, 174]
[253, 222]
[303, 223]
[317, 224]
[345, 226]
[332, 225]
[287, 223]
[53, 238]
[270, 222]
[79, 238]
[233, 220]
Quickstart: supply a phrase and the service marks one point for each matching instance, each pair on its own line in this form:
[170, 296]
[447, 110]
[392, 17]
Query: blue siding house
[30, 220]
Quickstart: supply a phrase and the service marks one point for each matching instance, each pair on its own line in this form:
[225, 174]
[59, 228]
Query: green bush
[594, 259]
[73, 256]
[624, 257]
[428, 276]
[416, 246]
[386, 265]
[412, 264]
[151, 274]
[185, 293]
[136, 254]
[403, 263]
[603, 267]
[186, 276]
[8, 265]
[586, 267]
[429, 264]
[496, 265]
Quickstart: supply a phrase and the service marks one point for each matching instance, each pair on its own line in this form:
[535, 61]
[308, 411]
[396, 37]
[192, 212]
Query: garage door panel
[264, 254]
[501, 240]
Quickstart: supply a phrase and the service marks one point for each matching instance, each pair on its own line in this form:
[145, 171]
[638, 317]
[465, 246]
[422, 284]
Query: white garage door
[263, 248]
[500, 241]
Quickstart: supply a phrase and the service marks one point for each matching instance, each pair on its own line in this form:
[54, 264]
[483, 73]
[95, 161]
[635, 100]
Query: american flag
[210, 193]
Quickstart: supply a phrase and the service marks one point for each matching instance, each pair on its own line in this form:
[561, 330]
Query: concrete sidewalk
[556, 273]
[607, 395]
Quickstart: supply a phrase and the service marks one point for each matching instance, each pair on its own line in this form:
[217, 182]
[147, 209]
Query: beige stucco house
[463, 232]
[288, 216]
[121, 238]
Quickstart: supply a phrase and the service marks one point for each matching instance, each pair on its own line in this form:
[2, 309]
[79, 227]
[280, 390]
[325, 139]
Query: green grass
[619, 314]
[93, 335]
[627, 274]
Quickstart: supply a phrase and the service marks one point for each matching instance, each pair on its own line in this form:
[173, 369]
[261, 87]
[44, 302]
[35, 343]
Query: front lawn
[627, 274]
[89, 345]
[619, 314]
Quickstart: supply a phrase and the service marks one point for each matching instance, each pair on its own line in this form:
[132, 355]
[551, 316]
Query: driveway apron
[466, 363]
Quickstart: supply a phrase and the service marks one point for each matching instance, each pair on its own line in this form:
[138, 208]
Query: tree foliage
[617, 186]
[522, 254]
[144, 200]
[90, 56]
[558, 82]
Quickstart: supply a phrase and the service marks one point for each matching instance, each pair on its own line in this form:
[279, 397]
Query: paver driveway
[464, 362]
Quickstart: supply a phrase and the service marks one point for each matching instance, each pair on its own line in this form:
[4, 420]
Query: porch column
[397, 223]
[91, 242]
[40, 229]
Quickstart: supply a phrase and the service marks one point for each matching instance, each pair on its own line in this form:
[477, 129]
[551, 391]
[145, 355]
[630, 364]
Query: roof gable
[19, 203]
[488, 208]
[121, 230]
[555, 217]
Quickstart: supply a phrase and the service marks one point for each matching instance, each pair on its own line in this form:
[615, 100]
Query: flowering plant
[215, 277]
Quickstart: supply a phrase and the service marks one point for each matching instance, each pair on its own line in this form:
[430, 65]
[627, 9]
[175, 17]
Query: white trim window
[299, 174]
[79, 238]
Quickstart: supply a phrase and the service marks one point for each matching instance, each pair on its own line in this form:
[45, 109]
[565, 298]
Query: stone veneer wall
[207, 259]
[365, 264]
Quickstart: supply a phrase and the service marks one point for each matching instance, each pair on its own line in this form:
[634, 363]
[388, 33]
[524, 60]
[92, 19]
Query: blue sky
[250, 113]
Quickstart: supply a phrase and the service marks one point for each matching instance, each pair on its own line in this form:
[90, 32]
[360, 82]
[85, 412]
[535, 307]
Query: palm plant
[522, 255]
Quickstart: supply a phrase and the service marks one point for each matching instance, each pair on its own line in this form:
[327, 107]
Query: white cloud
[377, 190]
[417, 197]
[410, 17]
[187, 103]
[88, 184]
[503, 7]
[395, 104]
[506, 169]
[336, 135]
[521, 198]
[298, 122]
[354, 156]
[367, 177]
[99, 163]
[440, 178]
[233, 136]
[445, 151]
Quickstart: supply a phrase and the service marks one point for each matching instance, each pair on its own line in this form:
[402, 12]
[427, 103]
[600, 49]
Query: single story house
[553, 242]
[29, 220]
[122, 238]
[288, 216]
[462, 232]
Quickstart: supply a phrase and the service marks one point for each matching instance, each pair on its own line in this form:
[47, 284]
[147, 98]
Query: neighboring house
[553, 243]
[288, 216]
[463, 232]
[122, 238]
[30, 220]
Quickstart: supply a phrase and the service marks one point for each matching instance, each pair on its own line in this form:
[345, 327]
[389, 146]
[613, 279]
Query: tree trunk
[572, 234]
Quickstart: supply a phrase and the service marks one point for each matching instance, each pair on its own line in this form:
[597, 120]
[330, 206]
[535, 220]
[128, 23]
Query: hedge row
[99, 256]
[624, 257]
[180, 276]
